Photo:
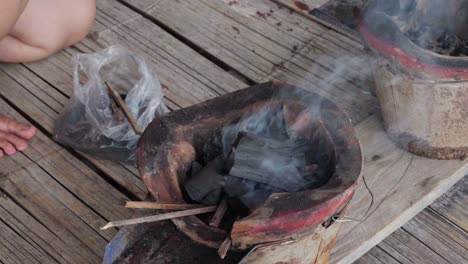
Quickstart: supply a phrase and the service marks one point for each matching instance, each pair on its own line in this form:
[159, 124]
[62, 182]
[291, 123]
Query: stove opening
[275, 149]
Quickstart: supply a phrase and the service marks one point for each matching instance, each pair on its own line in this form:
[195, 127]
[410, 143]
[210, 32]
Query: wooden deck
[53, 199]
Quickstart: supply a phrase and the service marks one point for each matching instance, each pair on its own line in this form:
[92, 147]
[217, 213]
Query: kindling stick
[116, 111]
[161, 206]
[116, 96]
[160, 217]
[219, 214]
[223, 249]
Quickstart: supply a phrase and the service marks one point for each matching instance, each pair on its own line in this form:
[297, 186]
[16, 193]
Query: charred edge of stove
[421, 147]
[211, 239]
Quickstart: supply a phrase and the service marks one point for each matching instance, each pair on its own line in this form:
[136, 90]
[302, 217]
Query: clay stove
[421, 73]
[301, 224]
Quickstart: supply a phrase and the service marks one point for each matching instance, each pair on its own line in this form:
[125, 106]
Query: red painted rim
[409, 62]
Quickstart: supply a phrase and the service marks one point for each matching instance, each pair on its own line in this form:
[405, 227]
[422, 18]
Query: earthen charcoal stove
[421, 73]
[294, 226]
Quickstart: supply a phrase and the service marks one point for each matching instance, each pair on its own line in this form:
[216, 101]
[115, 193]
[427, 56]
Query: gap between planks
[403, 185]
[65, 201]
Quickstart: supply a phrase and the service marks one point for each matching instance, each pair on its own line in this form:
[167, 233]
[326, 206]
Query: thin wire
[364, 217]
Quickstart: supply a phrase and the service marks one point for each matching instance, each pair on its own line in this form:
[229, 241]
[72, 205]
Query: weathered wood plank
[40, 201]
[433, 232]
[191, 76]
[310, 5]
[257, 47]
[264, 41]
[76, 177]
[46, 180]
[368, 259]
[358, 109]
[116, 24]
[379, 254]
[20, 248]
[452, 205]
[376, 256]
[42, 103]
[447, 240]
[37, 234]
[402, 184]
[10, 253]
[273, 30]
[304, 5]
[199, 78]
[407, 249]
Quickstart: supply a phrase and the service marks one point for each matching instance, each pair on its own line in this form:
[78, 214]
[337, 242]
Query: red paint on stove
[297, 220]
[408, 61]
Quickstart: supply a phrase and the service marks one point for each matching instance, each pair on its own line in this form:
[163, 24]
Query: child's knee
[38, 34]
[80, 21]
[73, 25]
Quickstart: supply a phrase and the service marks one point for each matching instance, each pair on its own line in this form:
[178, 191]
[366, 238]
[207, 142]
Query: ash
[438, 40]
[245, 162]
[436, 26]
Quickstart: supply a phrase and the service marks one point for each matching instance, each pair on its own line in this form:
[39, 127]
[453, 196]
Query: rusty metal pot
[423, 95]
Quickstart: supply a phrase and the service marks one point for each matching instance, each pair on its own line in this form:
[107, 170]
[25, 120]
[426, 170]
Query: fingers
[17, 142]
[14, 136]
[10, 142]
[12, 126]
[7, 147]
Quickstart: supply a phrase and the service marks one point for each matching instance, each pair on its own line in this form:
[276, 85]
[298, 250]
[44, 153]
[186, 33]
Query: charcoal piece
[245, 195]
[309, 172]
[257, 197]
[438, 40]
[236, 187]
[298, 121]
[267, 122]
[254, 199]
[273, 162]
[207, 180]
[388, 7]
[196, 168]
[229, 161]
[229, 158]
[323, 155]
[213, 147]
[461, 50]
[237, 206]
[213, 197]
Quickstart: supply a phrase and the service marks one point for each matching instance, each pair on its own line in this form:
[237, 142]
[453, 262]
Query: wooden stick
[116, 111]
[162, 206]
[223, 249]
[219, 214]
[116, 96]
[155, 218]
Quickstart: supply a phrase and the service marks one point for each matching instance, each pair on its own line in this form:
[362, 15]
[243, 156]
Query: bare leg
[14, 50]
[14, 136]
[45, 27]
